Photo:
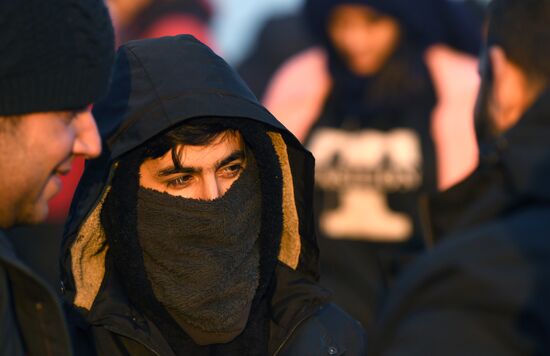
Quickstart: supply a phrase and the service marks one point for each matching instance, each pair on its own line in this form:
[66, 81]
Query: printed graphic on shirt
[362, 167]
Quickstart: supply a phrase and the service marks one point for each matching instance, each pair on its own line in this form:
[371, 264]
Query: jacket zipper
[289, 335]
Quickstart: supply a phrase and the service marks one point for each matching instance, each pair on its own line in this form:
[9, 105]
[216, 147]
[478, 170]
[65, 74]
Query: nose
[87, 142]
[211, 188]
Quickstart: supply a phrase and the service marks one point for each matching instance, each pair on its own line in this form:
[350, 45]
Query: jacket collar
[113, 311]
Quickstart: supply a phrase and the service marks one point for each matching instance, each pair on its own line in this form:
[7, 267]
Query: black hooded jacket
[150, 94]
[483, 290]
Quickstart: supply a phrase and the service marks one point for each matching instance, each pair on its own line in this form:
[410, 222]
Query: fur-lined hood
[141, 104]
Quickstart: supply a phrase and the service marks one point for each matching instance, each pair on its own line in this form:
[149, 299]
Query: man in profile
[484, 288]
[56, 60]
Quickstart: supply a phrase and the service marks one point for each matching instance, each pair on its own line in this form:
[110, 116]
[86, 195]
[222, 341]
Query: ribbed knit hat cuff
[54, 90]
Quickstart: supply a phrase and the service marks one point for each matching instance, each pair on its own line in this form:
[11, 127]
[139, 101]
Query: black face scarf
[202, 257]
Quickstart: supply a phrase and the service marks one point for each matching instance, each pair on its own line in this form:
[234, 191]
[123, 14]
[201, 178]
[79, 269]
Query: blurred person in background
[135, 19]
[56, 61]
[484, 289]
[386, 107]
[193, 233]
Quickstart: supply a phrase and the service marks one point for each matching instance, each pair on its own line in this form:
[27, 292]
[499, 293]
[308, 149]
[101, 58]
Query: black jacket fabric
[31, 319]
[484, 289]
[143, 103]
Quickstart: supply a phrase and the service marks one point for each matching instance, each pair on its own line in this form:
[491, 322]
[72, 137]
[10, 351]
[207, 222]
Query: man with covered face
[192, 234]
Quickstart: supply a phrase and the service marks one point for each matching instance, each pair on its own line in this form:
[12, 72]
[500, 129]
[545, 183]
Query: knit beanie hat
[55, 54]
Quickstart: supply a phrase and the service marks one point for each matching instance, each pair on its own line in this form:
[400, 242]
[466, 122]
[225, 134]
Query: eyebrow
[236, 155]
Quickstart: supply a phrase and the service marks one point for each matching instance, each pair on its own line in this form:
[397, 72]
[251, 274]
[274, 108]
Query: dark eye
[235, 168]
[179, 182]
[232, 170]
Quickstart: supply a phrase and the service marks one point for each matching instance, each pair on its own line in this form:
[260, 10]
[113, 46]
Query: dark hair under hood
[142, 104]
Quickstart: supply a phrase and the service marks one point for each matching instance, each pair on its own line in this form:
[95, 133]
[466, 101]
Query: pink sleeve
[456, 82]
[298, 90]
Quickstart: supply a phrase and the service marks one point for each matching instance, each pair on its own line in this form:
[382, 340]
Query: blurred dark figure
[56, 61]
[279, 39]
[136, 19]
[484, 289]
[382, 127]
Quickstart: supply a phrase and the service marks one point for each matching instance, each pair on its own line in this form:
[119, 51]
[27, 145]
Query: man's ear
[512, 91]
